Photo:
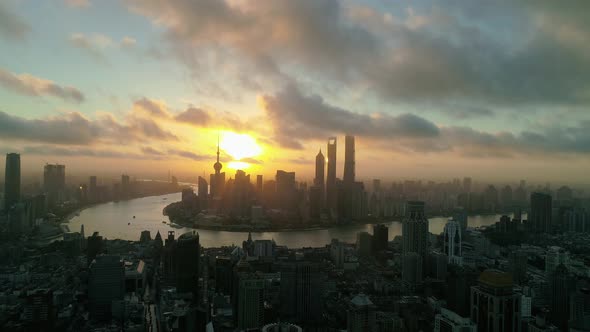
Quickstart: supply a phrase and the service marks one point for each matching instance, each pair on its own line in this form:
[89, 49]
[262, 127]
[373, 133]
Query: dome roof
[496, 278]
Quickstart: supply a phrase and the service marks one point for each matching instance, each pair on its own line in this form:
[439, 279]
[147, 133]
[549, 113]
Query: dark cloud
[152, 107]
[188, 155]
[194, 116]
[12, 27]
[34, 86]
[151, 151]
[76, 129]
[295, 117]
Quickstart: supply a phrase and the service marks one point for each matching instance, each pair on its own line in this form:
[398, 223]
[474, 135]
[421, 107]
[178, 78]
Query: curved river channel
[116, 220]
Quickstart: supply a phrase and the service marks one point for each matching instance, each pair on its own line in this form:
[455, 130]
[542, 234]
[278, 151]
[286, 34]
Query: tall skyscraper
[540, 217]
[203, 193]
[186, 257]
[250, 301]
[331, 176]
[415, 229]
[495, 307]
[319, 180]
[54, 183]
[301, 285]
[106, 283]
[349, 160]
[452, 242]
[286, 190]
[12, 180]
[380, 237]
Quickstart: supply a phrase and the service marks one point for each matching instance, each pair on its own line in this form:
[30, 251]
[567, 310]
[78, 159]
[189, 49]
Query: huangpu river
[116, 220]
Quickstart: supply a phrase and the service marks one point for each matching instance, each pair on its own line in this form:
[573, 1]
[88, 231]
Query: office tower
[203, 190]
[380, 237]
[577, 220]
[106, 283]
[217, 180]
[337, 249]
[223, 275]
[39, 312]
[449, 321]
[250, 301]
[540, 216]
[452, 242]
[331, 176]
[361, 314]
[187, 254]
[415, 229]
[315, 202]
[319, 181]
[125, 186]
[506, 197]
[12, 180]
[241, 198]
[286, 191]
[94, 247]
[490, 197]
[263, 248]
[349, 171]
[467, 184]
[145, 237]
[438, 266]
[259, 184]
[561, 284]
[364, 244]
[495, 307]
[460, 279]
[54, 183]
[579, 319]
[412, 270]
[301, 292]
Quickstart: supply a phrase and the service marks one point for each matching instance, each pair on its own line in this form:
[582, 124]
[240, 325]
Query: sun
[239, 146]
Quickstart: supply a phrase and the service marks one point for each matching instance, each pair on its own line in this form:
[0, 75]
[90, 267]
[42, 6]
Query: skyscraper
[415, 229]
[540, 217]
[106, 283]
[286, 190]
[186, 256]
[12, 180]
[349, 171]
[301, 285]
[452, 242]
[250, 301]
[495, 307]
[319, 181]
[380, 237]
[331, 178]
[361, 314]
[54, 183]
[203, 191]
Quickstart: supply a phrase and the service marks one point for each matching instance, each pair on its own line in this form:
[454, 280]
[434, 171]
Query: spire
[217, 146]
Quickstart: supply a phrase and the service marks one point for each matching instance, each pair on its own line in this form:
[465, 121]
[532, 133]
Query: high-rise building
[540, 216]
[415, 229]
[125, 186]
[241, 198]
[495, 307]
[301, 291]
[380, 237]
[561, 285]
[286, 190]
[250, 301]
[203, 193]
[187, 254]
[331, 176]
[349, 160]
[449, 321]
[319, 181]
[580, 310]
[361, 314]
[259, 184]
[106, 283]
[555, 256]
[39, 312]
[452, 242]
[467, 184]
[577, 220]
[364, 244]
[54, 183]
[12, 180]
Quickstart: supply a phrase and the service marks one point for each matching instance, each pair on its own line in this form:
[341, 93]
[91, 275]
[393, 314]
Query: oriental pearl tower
[217, 166]
[217, 180]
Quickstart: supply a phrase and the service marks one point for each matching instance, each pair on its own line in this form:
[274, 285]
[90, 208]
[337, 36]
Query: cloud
[188, 155]
[34, 86]
[128, 42]
[151, 107]
[78, 3]
[92, 45]
[194, 116]
[295, 116]
[75, 129]
[12, 27]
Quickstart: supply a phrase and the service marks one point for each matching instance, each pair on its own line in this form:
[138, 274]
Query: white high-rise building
[452, 242]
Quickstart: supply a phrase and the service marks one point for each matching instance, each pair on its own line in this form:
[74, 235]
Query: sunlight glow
[239, 146]
[238, 165]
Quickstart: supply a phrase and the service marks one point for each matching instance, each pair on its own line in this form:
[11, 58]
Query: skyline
[496, 91]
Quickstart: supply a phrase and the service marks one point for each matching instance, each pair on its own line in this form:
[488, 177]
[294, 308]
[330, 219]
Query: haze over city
[497, 91]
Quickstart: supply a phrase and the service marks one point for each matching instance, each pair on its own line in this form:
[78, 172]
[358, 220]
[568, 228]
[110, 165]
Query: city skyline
[429, 91]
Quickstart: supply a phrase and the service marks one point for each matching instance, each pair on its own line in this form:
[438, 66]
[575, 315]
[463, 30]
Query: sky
[496, 90]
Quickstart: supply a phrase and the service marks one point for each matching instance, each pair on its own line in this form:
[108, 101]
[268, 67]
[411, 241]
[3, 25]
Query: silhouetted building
[203, 190]
[349, 160]
[518, 265]
[39, 311]
[561, 285]
[54, 183]
[540, 216]
[580, 310]
[361, 314]
[415, 229]
[94, 247]
[286, 190]
[217, 181]
[495, 307]
[380, 237]
[331, 176]
[364, 244]
[223, 275]
[452, 242]
[187, 255]
[318, 181]
[12, 180]
[301, 292]
[241, 195]
[250, 301]
[106, 283]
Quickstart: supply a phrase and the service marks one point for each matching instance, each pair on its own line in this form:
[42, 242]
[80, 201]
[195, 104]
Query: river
[116, 220]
